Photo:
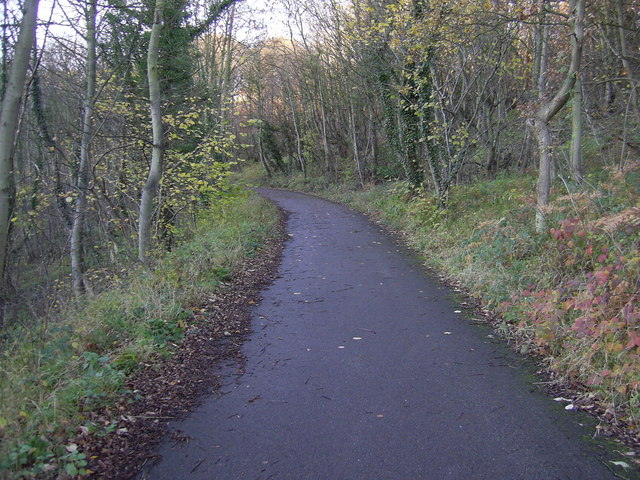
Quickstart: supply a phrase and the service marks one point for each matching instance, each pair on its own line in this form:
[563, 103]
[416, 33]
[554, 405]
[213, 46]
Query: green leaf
[71, 469]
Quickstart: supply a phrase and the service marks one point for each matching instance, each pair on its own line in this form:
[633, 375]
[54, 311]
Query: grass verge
[52, 376]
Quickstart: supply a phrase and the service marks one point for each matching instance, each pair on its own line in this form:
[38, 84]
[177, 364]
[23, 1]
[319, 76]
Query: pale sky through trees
[272, 15]
[268, 14]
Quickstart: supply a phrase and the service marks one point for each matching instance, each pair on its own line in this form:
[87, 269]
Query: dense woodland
[122, 119]
[437, 93]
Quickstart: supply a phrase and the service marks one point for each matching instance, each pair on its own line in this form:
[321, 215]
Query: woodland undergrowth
[570, 296]
[54, 371]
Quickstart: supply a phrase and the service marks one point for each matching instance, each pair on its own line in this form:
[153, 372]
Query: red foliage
[592, 308]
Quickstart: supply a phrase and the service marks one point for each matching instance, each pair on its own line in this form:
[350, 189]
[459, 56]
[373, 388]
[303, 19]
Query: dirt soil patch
[171, 387]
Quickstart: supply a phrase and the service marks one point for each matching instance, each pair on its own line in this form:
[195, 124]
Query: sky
[267, 13]
[272, 15]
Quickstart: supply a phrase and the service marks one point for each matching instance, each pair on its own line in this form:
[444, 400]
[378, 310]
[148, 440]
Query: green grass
[557, 294]
[53, 374]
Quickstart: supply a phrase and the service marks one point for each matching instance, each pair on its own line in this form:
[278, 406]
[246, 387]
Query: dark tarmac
[361, 366]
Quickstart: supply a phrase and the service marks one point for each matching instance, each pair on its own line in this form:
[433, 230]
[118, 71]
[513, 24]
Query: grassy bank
[569, 295]
[56, 371]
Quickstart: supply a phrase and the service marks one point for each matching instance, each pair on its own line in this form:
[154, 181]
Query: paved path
[362, 367]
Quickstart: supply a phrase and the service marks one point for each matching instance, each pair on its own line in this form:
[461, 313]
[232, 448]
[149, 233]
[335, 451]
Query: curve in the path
[362, 367]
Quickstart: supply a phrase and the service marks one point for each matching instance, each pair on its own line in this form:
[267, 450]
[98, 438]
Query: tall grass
[52, 374]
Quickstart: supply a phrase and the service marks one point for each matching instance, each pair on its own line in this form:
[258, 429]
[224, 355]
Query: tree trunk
[354, 139]
[263, 157]
[537, 51]
[372, 140]
[225, 89]
[77, 230]
[633, 83]
[541, 128]
[296, 127]
[9, 125]
[150, 191]
[576, 133]
[549, 109]
[330, 168]
[390, 122]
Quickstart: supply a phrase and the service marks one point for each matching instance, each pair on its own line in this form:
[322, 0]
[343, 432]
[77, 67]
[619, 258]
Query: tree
[576, 132]
[9, 123]
[550, 107]
[77, 243]
[155, 171]
[161, 76]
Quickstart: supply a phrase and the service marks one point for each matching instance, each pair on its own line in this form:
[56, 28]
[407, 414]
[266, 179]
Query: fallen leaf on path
[562, 399]
[624, 465]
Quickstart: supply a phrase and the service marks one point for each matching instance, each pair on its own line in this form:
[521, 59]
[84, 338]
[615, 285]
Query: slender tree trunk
[549, 109]
[576, 132]
[330, 169]
[390, 114]
[544, 172]
[537, 51]
[5, 44]
[150, 191]
[625, 61]
[8, 128]
[77, 230]
[541, 129]
[263, 157]
[609, 97]
[296, 129]
[226, 72]
[49, 141]
[354, 139]
[372, 139]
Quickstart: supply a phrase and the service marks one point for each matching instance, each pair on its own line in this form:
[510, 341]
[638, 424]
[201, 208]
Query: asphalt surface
[361, 366]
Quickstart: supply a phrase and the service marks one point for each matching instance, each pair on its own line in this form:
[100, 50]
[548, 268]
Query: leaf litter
[171, 387]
